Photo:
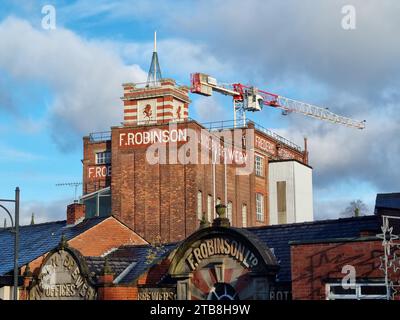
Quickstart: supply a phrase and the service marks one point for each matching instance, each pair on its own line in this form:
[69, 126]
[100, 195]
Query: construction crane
[249, 98]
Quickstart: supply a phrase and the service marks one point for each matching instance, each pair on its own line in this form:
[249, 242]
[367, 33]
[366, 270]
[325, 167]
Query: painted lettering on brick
[143, 138]
[221, 246]
[98, 172]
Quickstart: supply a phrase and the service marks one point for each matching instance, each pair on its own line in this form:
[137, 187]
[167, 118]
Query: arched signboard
[221, 263]
[62, 276]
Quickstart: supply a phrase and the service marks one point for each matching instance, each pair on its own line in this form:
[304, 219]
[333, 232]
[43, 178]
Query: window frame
[209, 207]
[105, 157]
[259, 165]
[244, 215]
[199, 205]
[260, 215]
[358, 294]
[229, 211]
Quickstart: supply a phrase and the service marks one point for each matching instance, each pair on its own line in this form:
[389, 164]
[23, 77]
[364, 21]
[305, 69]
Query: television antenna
[71, 184]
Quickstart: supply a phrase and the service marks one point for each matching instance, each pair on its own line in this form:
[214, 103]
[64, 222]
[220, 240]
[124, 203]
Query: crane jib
[252, 99]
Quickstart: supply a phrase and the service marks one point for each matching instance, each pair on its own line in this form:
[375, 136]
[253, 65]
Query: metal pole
[225, 183]
[16, 243]
[214, 196]
[234, 114]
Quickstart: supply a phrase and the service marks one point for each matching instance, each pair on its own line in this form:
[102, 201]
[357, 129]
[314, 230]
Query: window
[357, 291]
[229, 211]
[199, 205]
[217, 203]
[210, 207]
[259, 207]
[103, 157]
[97, 203]
[259, 165]
[281, 201]
[244, 216]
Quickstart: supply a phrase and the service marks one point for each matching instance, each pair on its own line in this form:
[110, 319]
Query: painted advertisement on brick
[61, 277]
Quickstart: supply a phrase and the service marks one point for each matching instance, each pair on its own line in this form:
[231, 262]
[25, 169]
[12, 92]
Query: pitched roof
[278, 237]
[38, 239]
[388, 200]
[117, 265]
[139, 254]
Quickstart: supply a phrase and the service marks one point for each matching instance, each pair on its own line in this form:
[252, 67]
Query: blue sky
[51, 80]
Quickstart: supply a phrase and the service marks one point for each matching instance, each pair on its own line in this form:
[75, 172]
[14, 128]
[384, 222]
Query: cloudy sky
[57, 85]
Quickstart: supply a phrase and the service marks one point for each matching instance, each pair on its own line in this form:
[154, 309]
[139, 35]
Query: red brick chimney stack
[75, 213]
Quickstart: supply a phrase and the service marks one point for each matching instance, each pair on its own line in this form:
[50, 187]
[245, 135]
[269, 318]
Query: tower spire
[155, 41]
[154, 75]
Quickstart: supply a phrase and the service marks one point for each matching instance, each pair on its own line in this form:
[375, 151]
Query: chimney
[75, 213]
[305, 150]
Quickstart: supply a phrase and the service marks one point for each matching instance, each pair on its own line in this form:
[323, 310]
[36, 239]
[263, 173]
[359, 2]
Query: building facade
[323, 260]
[162, 173]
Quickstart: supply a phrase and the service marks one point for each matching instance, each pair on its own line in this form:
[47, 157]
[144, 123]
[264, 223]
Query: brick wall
[159, 201]
[106, 235]
[313, 264]
[94, 176]
[117, 293]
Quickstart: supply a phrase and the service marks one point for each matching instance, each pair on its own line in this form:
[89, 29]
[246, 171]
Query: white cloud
[84, 77]
[8, 153]
[178, 57]
[209, 109]
[43, 211]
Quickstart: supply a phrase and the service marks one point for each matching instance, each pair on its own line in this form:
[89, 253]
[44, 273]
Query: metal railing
[355, 291]
[230, 124]
[100, 136]
[277, 137]
[214, 126]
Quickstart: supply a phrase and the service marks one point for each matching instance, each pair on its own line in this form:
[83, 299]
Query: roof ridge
[53, 222]
[146, 245]
[325, 221]
[34, 225]
[110, 258]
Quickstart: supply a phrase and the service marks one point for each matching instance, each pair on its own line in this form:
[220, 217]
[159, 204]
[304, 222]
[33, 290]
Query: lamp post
[14, 224]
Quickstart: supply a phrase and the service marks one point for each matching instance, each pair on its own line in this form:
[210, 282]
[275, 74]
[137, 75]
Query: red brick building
[155, 172]
[101, 258]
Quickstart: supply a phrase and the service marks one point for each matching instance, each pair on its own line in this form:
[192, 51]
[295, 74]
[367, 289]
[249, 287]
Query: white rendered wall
[5, 293]
[299, 196]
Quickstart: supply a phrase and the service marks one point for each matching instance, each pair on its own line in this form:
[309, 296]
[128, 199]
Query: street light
[16, 238]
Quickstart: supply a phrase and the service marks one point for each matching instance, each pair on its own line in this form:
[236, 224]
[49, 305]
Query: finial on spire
[155, 41]
[154, 75]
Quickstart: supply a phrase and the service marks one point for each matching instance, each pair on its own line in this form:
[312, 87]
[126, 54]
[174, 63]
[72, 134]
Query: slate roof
[388, 200]
[139, 254]
[117, 265]
[38, 239]
[278, 237]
